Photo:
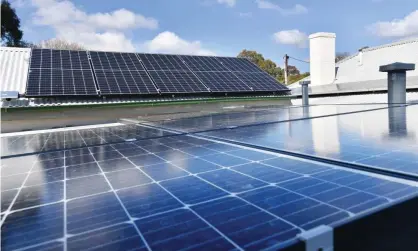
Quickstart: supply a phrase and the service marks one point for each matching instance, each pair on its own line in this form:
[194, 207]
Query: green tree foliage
[11, 35]
[271, 68]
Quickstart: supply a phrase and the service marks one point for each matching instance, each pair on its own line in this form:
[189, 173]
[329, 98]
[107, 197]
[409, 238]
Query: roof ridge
[401, 42]
[397, 43]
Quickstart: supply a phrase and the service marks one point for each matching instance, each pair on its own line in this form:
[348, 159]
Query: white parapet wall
[322, 58]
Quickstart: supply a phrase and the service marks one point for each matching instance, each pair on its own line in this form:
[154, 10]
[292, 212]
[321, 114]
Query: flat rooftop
[248, 179]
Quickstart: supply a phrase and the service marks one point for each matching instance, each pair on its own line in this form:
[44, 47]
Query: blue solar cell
[195, 165]
[147, 200]
[163, 171]
[39, 195]
[231, 181]
[113, 238]
[244, 224]
[115, 165]
[179, 230]
[86, 186]
[225, 160]
[82, 170]
[93, 212]
[265, 173]
[26, 223]
[196, 63]
[7, 198]
[127, 178]
[196, 190]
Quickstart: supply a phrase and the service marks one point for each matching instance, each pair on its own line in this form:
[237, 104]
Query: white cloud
[96, 31]
[408, 26]
[230, 3]
[291, 37]
[125, 20]
[245, 14]
[169, 42]
[297, 9]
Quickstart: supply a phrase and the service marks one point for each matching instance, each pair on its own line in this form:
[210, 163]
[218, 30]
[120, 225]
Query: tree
[59, 44]
[292, 70]
[340, 56]
[271, 68]
[11, 34]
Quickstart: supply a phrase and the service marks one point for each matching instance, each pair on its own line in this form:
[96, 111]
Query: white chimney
[322, 58]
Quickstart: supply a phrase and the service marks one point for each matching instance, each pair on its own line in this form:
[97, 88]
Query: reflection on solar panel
[239, 64]
[372, 138]
[223, 82]
[203, 63]
[121, 73]
[259, 81]
[161, 62]
[177, 192]
[177, 82]
[59, 73]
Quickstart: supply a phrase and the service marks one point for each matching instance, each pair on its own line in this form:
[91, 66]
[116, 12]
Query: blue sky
[221, 27]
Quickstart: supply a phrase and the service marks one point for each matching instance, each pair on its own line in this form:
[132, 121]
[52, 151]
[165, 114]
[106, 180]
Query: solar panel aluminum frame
[61, 95]
[385, 228]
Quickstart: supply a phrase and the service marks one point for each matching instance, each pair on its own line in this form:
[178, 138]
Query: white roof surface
[364, 66]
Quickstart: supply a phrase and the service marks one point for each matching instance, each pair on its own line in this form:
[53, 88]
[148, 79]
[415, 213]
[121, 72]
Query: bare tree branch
[59, 44]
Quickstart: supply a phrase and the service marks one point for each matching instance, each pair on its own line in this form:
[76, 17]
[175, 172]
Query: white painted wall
[322, 58]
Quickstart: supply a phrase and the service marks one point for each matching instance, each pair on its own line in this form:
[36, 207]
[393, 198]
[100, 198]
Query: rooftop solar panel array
[63, 72]
[60, 73]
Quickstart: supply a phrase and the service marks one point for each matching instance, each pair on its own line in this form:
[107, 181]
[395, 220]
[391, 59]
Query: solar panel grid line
[189, 68]
[197, 176]
[292, 192]
[147, 73]
[116, 81]
[237, 76]
[186, 206]
[123, 206]
[7, 212]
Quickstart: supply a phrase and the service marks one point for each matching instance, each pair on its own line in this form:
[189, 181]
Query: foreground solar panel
[121, 73]
[178, 193]
[226, 120]
[59, 73]
[41, 142]
[384, 139]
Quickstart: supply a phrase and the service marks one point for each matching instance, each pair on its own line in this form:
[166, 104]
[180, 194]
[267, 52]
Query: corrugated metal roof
[14, 68]
[364, 66]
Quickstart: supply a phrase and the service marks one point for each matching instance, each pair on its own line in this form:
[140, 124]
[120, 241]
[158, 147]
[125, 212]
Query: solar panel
[238, 64]
[121, 73]
[223, 82]
[124, 82]
[178, 192]
[161, 62]
[60, 73]
[115, 61]
[362, 138]
[177, 82]
[260, 81]
[203, 63]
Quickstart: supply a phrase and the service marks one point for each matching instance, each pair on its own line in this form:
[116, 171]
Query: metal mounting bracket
[320, 238]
